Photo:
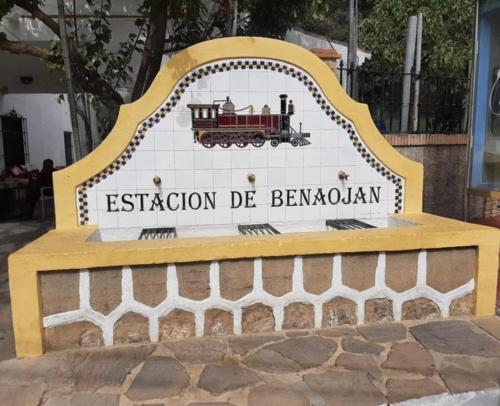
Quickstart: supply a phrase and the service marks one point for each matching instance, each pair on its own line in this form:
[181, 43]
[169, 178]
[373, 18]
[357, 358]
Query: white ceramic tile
[238, 81]
[164, 160]
[126, 180]
[203, 179]
[184, 179]
[107, 220]
[203, 159]
[258, 158]
[240, 158]
[312, 157]
[220, 82]
[222, 178]
[144, 160]
[221, 159]
[164, 140]
[184, 160]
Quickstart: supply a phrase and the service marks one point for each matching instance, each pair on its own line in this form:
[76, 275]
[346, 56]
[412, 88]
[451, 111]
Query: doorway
[15, 139]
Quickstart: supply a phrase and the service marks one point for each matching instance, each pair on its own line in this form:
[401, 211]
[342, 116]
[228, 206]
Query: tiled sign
[241, 141]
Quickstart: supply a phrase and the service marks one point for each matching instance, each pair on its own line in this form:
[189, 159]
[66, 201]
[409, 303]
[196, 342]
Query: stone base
[253, 296]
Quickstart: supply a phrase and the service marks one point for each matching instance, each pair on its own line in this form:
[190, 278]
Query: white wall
[311, 41]
[46, 122]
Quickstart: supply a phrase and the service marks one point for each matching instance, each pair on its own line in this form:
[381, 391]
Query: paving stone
[363, 363]
[159, 377]
[339, 388]
[198, 351]
[490, 324]
[276, 394]
[336, 332]
[210, 404]
[456, 337]
[297, 333]
[106, 367]
[242, 344]
[271, 361]
[307, 352]
[460, 380]
[410, 357]
[218, 379]
[361, 347]
[27, 394]
[403, 389]
[382, 333]
[84, 399]
[488, 367]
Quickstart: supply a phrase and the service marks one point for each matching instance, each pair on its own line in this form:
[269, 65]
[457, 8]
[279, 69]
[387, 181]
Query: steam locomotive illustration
[215, 125]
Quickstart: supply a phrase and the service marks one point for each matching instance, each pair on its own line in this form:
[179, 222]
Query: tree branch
[15, 47]
[31, 6]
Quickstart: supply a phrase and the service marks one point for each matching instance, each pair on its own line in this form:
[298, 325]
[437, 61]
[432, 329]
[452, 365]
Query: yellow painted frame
[72, 249]
[70, 246]
[67, 180]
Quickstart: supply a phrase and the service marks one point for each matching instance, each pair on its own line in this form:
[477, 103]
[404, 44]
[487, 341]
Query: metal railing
[441, 108]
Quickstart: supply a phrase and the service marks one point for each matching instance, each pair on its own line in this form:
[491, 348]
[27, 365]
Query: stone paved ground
[370, 365]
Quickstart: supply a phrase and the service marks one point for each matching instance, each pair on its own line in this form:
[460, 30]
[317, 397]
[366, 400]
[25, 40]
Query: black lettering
[198, 203]
[305, 198]
[235, 195]
[126, 201]
[141, 200]
[290, 197]
[349, 190]
[108, 197]
[209, 200]
[169, 204]
[374, 194]
[276, 195]
[157, 202]
[249, 195]
[360, 195]
[319, 196]
[337, 197]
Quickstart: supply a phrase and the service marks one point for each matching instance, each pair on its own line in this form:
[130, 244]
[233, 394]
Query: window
[68, 148]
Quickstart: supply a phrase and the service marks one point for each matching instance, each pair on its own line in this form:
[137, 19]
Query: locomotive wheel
[240, 141]
[225, 141]
[275, 143]
[258, 140]
[295, 142]
[207, 141]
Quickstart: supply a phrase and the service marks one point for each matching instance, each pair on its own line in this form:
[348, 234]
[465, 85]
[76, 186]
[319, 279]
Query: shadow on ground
[13, 235]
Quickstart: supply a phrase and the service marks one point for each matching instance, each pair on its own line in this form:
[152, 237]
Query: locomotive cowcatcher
[214, 125]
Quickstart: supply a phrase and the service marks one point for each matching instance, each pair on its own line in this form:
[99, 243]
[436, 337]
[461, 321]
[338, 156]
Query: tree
[163, 27]
[447, 33]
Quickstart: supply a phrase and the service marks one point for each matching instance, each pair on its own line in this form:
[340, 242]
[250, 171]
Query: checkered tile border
[240, 64]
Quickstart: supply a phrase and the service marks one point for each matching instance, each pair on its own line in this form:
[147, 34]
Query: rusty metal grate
[257, 229]
[164, 233]
[347, 224]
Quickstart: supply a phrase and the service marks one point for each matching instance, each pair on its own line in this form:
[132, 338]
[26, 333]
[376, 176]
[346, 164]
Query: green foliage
[447, 33]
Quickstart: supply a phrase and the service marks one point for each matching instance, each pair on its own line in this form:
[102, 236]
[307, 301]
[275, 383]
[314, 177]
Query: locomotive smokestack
[283, 103]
